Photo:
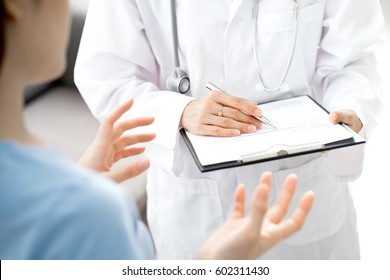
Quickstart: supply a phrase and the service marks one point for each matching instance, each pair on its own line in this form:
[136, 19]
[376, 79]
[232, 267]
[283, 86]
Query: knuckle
[239, 102]
[227, 122]
[214, 94]
[244, 127]
[144, 137]
[197, 127]
[202, 117]
[236, 113]
[207, 107]
[219, 131]
[138, 138]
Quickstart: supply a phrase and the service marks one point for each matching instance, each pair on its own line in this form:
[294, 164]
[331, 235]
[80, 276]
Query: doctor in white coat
[324, 48]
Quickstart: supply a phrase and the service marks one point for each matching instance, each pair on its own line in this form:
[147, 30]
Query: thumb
[128, 171]
[334, 117]
[342, 116]
[348, 117]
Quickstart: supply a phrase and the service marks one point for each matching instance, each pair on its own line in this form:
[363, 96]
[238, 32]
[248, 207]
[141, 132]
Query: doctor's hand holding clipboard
[348, 117]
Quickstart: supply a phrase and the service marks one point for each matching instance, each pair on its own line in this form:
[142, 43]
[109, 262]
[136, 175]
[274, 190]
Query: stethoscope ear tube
[178, 80]
[175, 37]
[281, 84]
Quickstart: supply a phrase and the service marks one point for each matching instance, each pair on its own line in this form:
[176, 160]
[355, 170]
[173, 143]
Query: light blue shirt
[51, 209]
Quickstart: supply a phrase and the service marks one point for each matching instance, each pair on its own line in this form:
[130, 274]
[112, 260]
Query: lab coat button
[237, 19]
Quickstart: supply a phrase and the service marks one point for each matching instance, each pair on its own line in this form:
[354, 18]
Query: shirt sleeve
[346, 76]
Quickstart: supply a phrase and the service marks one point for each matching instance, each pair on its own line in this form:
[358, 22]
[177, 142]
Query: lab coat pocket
[186, 211]
[279, 21]
[328, 212]
[277, 32]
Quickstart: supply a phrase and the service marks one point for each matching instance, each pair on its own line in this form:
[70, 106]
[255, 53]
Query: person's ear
[14, 9]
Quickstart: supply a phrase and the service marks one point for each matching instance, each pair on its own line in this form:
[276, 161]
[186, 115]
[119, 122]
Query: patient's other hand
[248, 237]
[110, 145]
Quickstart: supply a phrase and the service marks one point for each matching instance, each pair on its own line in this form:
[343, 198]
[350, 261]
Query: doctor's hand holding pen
[220, 114]
[110, 145]
[248, 237]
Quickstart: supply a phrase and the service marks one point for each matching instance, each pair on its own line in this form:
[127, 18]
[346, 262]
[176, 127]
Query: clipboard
[302, 127]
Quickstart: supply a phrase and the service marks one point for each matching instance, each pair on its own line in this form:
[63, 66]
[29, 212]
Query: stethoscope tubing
[256, 51]
[175, 37]
[255, 14]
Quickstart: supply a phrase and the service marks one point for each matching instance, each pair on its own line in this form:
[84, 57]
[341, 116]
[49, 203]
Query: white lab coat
[126, 51]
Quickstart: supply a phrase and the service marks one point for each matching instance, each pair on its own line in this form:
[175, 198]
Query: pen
[263, 119]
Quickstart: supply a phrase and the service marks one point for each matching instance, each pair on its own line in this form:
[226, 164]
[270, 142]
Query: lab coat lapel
[234, 9]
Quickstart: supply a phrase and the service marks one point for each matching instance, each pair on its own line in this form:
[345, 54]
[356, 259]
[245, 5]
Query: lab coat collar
[235, 8]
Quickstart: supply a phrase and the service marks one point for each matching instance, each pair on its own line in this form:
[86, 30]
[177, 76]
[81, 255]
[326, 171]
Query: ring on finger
[220, 112]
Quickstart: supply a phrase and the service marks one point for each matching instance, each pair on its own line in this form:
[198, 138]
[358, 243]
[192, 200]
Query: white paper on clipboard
[301, 125]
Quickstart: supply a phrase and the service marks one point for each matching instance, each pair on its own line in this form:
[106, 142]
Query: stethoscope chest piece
[178, 81]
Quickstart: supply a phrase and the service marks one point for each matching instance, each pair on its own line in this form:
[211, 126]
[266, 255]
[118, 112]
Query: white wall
[83, 4]
[372, 190]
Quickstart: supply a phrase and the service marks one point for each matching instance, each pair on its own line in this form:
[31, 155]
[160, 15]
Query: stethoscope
[180, 82]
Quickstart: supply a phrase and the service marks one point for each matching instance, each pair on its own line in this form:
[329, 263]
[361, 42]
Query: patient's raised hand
[111, 145]
[248, 237]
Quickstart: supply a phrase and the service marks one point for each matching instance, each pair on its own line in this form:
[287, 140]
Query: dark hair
[2, 32]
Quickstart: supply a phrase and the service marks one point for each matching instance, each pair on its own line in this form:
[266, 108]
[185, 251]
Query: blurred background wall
[372, 190]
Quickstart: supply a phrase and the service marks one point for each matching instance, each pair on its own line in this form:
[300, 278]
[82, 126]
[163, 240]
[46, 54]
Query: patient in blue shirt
[50, 208]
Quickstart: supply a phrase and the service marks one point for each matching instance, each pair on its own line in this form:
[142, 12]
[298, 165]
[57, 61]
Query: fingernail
[334, 116]
[236, 132]
[257, 112]
[258, 124]
[252, 128]
[143, 164]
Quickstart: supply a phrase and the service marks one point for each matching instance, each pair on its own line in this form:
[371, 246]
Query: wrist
[182, 118]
